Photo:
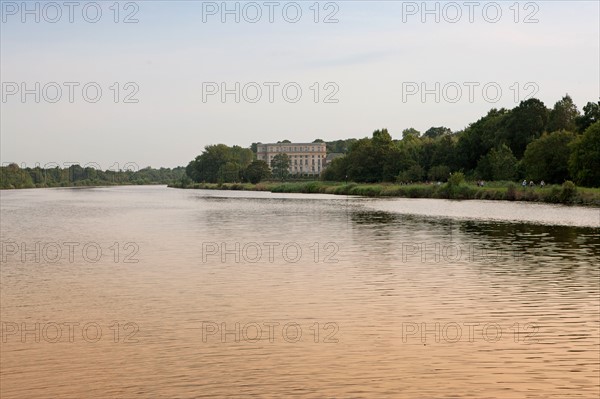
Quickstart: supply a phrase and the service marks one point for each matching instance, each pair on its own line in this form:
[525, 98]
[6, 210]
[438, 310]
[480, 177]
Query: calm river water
[165, 293]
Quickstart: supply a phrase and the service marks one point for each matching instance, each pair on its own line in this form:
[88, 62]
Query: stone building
[306, 158]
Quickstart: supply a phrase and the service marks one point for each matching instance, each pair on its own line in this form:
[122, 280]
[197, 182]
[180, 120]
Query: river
[156, 292]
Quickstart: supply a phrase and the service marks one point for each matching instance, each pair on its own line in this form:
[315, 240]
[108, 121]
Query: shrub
[511, 192]
[456, 179]
[554, 195]
[568, 191]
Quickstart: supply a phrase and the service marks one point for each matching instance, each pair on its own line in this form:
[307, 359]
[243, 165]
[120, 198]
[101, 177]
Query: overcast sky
[376, 59]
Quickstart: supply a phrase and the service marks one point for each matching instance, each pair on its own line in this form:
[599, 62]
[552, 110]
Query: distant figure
[531, 183]
[524, 184]
[542, 183]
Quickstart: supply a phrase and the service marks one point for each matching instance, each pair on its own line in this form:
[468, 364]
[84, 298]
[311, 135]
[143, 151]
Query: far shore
[506, 191]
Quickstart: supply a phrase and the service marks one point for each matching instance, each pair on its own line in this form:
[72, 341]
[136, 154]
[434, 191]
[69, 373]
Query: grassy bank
[563, 194]
[85, 183]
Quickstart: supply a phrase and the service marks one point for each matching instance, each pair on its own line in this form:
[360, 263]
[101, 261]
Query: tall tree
[363, 165]
[498, 164]
[547, 158]
[219, 163]
[591, 115]
[410, 132]
[584, 163]
[281, 165]
[444, 152]
[480, 137]
[337, 170]
[564, 115]
[525, 123]
[434, 132]
[257, 171]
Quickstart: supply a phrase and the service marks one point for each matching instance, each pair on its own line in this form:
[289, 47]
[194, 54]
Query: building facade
[306, 158]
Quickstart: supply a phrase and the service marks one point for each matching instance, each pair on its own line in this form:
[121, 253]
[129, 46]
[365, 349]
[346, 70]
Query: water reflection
[394, 267]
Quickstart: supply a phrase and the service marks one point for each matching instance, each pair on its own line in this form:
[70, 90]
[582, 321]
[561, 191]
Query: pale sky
[374, 57]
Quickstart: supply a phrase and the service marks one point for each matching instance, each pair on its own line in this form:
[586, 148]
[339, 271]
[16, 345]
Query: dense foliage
[584, 162]
[220, 163]
[12, 176]
[528, 142]
[257, 171]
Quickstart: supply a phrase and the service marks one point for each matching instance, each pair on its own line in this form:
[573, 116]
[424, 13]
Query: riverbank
[507, 191]
[90, 184]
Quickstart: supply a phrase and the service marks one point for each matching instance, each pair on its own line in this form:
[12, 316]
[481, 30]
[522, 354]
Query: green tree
[337, 170]
[229, 172]
[257, 171]
[584, 163]
[241, 156]
[480, 137]
[281, 165]
[564, 115]
[219, 163]
[547, 158]
[444, 151]
[12, 176]
[415, 173]
[410, 132]
[363, 165]
[498, 164]
[434, 132]
[340, 146]
[439, 173]
[525, 123]
[373, 160]
[591, 115]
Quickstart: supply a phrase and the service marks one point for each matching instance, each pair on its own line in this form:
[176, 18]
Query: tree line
[529, 142]
[12, 176]
[223, 164]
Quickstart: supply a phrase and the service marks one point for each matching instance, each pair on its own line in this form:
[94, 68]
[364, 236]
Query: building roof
[280, 144]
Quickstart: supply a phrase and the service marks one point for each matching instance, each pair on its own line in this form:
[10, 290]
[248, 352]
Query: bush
[554, 195]
[312, 188]
[367, 191]
[456, 179]
[455, 188]
[568, 191]
[511, 192]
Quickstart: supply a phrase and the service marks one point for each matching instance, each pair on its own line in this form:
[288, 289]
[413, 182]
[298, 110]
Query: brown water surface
[125, 292]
